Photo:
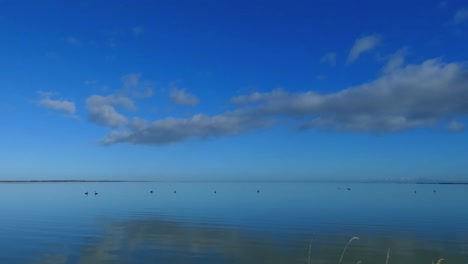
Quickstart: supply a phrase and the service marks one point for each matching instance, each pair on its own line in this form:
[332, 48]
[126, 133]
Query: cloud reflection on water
[165, 241]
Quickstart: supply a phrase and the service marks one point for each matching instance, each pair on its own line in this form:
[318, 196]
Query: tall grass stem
[344, 250]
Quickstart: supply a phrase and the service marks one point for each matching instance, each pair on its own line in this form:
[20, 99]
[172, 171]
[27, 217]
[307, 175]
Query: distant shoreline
[63, 181]
[229, 181]
[442, 183]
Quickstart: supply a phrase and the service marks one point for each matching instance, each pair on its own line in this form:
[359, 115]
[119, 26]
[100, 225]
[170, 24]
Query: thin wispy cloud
[456, 127]
[182, 97]
[414, 96]
[321, 77]
[257, 97]
[460, 16]
[80, 42]
[96, 85]
[133, 86]
[52, 55]
[112, 42]
[329, 58]
[137, 31]
[396, 60]
[73, 41]
[363, 45]
[91, 82]
[61, 105]
[131, 80]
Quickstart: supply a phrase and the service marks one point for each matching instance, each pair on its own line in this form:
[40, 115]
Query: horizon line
[395, 181]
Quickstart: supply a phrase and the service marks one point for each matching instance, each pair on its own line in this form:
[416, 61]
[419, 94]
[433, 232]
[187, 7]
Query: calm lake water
[125, 223]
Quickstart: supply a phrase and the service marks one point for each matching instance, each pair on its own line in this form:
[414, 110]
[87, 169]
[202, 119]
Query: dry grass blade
[359, 262]
[310, 247]
[388, 256]
[440, 261]
[344, 250]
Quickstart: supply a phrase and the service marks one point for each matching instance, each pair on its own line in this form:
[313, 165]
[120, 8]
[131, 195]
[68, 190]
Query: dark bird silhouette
[96, 193]
[349, 189]
[414, 191]
[86, 193]
[258, 191]
[434, 191]
[214, 191]
[151, 192]
[175, 191]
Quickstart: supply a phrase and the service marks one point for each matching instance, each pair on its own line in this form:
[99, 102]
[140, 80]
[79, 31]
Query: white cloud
[461, 16]
[101, 110]
[138, 123]
[171, 130]
[181, 97]
[395, 61]
[409, 97]
[329, 58]
[414, 96]
[362, 45]
[455, 126]
[60, 105]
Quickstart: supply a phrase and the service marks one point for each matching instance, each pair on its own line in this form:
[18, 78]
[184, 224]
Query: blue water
[125, 223]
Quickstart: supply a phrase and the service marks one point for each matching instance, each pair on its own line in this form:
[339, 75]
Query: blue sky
[222, 90]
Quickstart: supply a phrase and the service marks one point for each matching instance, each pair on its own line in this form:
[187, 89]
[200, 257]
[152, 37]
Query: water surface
[190, 223]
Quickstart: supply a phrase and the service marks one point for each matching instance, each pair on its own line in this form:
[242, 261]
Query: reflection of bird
[151, 192]
[95, 193]
[86, 193]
